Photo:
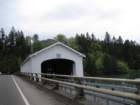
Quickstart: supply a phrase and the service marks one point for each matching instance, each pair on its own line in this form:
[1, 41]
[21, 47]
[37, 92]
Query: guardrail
[81, 87]
[95, 78]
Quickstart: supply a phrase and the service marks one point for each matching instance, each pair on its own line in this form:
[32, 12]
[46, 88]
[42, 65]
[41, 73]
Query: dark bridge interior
[57, 66]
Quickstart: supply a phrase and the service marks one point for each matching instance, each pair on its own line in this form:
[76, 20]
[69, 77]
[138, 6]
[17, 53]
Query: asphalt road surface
[9, 93]
[17, 91]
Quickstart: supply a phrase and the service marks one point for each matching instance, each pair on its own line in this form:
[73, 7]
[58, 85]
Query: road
[9, 94]
[17, 91]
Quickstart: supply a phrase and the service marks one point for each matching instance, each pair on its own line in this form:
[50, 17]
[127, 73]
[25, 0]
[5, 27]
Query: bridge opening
[58, 66]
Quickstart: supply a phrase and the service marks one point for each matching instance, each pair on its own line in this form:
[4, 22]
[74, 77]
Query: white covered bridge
[61, 59]
[57, 58]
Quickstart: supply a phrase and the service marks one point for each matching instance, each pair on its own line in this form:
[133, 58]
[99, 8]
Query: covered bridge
[58, 58]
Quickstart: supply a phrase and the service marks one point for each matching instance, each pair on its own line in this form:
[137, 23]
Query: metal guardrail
[128, 85]
[131, 81]
[127, 95]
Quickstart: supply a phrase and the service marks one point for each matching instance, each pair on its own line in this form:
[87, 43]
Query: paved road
[40, 95]
[9, 94]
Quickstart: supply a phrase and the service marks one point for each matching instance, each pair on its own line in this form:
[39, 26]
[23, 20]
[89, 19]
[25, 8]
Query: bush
[99, 65]
[122, 67]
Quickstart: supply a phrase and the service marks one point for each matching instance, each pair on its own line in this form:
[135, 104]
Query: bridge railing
[82, 84]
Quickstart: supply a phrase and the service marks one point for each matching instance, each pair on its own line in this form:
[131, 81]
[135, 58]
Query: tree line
[109, 57]
[14, 48]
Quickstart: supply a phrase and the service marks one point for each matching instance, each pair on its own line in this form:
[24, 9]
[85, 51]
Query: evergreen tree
[107, 38]
[114, 39]
[93, 38]
[120, 40]
[12, 36]
[103, 57]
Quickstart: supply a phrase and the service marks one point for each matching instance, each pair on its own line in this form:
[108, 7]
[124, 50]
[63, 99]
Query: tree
[93, 38]
[2, 39]
[35, 38]
[12, 53]
[120, 40]
[11, 36]
[103, 57]
[36, 45]
[99, 64]
[114, 39]
[83, 43]
[107, 38]
[72, 43]
[122, 67]
[61, 38]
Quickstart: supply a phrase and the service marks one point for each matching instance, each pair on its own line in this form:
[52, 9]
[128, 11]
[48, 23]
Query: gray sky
[51, 17]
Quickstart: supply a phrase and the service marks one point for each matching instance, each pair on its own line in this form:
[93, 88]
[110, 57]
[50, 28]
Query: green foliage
[72, 43]
[122, 67]
[99, 65]
[107, 57]
[89, 63]
[13, 51]
[107, 38]
[111, 56]
[36, 45]
[134, 74]
[61, 38]
[106, 64]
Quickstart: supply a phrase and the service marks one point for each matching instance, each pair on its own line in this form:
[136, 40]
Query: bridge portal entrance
[58, 66]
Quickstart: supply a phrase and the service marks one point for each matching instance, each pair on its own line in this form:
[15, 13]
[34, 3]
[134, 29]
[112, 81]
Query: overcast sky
[51, 17]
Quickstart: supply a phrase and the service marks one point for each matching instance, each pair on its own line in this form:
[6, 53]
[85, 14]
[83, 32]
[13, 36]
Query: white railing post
[32, 76]
[37, 78]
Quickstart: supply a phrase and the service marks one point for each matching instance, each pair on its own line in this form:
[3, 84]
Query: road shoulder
[39, 95]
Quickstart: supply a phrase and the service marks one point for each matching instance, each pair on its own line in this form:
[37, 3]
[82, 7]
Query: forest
[110, 57]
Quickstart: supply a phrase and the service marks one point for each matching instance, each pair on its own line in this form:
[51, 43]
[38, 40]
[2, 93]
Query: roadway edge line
[20, 91]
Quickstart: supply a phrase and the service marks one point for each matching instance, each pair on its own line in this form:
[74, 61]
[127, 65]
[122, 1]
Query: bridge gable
[56, 51]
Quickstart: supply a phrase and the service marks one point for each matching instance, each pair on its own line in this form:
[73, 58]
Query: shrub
[122, 67]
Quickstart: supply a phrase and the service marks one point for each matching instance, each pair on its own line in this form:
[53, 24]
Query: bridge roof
[55, 44]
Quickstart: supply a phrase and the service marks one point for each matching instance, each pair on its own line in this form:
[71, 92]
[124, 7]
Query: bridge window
[58, 66]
